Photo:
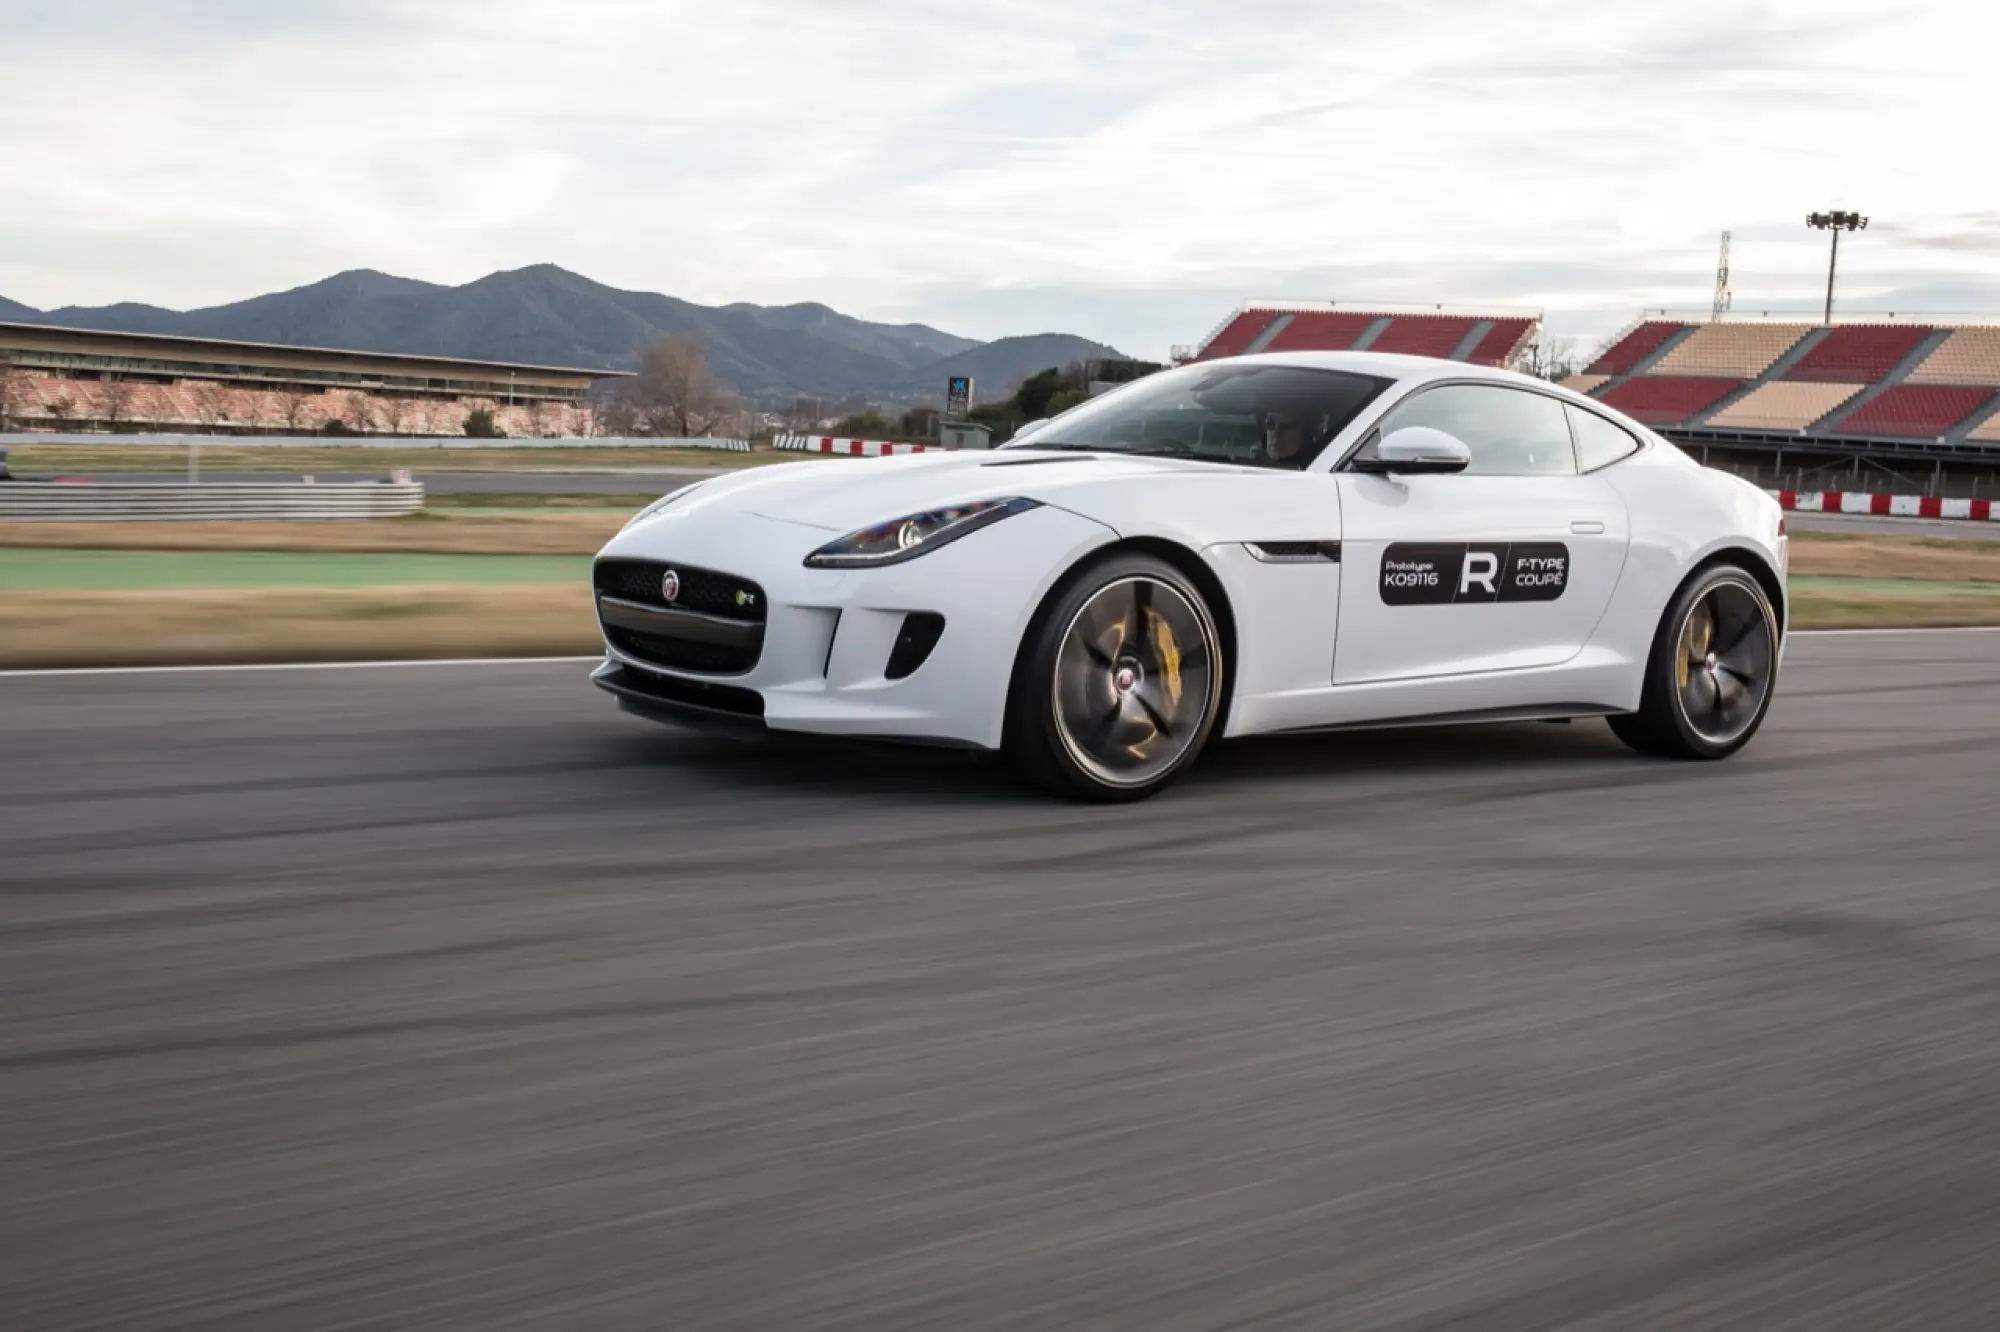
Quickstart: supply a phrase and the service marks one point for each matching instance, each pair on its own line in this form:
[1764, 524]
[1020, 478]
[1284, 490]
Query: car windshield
[1257, 415]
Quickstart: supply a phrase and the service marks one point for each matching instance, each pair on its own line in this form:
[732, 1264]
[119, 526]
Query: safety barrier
[1892, 506]
[96, 502]
[857, 448]
[370, 442]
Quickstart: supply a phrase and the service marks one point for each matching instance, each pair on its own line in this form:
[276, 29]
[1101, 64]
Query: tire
[1711, 672]
[1119, 682]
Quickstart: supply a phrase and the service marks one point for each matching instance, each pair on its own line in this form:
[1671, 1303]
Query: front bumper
[829, 633]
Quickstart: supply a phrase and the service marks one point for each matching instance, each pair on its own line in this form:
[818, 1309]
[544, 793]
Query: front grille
[702, 590]
[683, 654]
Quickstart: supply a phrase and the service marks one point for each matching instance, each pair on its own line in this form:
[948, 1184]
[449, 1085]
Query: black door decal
[1422, 573]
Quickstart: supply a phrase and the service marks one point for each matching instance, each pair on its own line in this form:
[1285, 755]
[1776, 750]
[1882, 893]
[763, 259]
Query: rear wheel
[1709, 678]
[1120, 683]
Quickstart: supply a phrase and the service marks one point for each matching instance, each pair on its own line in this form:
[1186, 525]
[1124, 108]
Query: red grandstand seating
[1423, 335]
[1858, 353]
[1634, 347]
[1500, 341]
[1667, 399]
[1914, 411]
[1238, 334]
[1321, 330]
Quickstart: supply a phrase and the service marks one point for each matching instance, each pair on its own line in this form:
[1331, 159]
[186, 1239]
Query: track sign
[958, 396]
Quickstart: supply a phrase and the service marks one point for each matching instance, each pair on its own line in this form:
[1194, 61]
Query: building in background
[65, 379]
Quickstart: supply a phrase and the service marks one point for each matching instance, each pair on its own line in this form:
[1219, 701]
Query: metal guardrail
[367, 442]
[95, 502]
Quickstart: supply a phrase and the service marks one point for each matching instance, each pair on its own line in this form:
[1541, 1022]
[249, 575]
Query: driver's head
[1284, 436]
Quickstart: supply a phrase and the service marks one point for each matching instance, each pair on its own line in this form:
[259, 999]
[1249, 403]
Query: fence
[366, 442]
[94, 502]
[857, 448]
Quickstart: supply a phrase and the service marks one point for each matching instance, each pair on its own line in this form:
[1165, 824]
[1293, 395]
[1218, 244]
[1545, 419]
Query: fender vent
[1296, 552]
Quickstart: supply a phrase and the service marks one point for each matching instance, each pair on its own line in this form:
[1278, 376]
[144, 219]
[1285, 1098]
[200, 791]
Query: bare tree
[1548, 358]
[395, 414]
[446, 417]
[13, 392]
[617, 418]
[541, 418]
[358, 414]
[292, 400]
[60, 410]
[674, 394]
[211, 404]
[115, 396]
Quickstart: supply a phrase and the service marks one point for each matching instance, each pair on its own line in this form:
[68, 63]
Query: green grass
[125, 570]
[1892, 587]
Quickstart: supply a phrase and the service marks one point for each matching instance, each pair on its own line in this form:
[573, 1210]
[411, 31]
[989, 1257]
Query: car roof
[1390, 365]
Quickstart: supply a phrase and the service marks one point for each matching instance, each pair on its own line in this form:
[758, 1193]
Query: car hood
[842, 495]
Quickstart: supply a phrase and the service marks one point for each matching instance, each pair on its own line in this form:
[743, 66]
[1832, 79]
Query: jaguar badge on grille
[670, 585]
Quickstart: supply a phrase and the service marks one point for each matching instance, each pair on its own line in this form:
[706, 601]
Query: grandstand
[1760, 394]
[1477, 337]
[67, 379]
[1881, 389]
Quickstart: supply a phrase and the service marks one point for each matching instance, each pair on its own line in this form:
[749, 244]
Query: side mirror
[1415, 451]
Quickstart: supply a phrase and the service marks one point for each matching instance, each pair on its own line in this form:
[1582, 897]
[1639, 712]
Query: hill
[548, 315]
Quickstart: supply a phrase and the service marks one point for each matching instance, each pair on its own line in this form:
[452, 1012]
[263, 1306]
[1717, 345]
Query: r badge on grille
[670, 585]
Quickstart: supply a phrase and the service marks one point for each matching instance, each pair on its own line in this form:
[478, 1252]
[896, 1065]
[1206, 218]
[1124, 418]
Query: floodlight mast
[1836, 221]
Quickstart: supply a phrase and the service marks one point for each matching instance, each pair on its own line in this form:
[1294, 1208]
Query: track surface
[446, 998]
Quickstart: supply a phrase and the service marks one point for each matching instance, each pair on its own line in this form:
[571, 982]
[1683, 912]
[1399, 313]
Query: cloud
[1128, 169]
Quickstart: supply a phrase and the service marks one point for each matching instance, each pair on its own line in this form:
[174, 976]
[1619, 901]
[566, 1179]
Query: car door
[1507, 565]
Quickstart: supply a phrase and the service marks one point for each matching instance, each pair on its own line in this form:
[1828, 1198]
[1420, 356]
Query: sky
[1126, 171]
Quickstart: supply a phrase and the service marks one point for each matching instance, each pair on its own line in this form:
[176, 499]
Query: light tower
[1837, 221]
[1721, 305]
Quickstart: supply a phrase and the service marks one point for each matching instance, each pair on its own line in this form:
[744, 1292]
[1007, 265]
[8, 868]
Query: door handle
[1585, 528]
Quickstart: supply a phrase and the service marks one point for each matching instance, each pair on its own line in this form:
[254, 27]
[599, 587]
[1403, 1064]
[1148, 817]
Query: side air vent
[920, 633]
[1296, 552]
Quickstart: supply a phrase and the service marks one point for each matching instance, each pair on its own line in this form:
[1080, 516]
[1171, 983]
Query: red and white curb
[1889, 506]
[855, 448]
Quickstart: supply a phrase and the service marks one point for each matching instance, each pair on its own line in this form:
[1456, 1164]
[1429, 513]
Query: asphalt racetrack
[446, 997]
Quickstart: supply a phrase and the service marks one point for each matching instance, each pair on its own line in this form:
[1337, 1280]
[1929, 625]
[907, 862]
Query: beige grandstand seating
[1731, 351]
[1783, 405]
[1585, 383]
[1969, 356]
[1988, 431]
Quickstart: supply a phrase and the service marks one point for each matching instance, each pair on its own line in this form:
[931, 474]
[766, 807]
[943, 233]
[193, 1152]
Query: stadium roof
[172, 347]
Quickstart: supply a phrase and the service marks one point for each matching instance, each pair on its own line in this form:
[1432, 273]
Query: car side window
[1598, 442]
[1509, 431]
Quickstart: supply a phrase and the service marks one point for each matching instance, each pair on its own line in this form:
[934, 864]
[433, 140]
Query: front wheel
[1119, 684]
[1710, 675]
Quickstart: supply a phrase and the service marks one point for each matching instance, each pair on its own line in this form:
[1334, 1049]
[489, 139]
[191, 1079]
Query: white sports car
[1268, 543]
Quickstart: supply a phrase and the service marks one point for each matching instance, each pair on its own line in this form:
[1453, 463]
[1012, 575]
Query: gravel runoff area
[445, 997]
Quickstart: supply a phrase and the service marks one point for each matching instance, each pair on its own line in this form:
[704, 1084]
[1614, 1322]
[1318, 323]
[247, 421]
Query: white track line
[1915, 629]
[300, 666]
[578, 661]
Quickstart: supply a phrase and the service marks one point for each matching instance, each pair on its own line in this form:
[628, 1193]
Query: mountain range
[545, 315]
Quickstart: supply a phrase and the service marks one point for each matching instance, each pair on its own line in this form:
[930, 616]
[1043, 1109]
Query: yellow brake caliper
[1169, 652]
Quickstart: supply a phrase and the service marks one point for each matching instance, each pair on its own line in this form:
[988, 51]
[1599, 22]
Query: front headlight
[906, 538]
[664, 500]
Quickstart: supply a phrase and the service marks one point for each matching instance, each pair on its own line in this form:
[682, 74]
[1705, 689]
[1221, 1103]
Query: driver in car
[1284, 436]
